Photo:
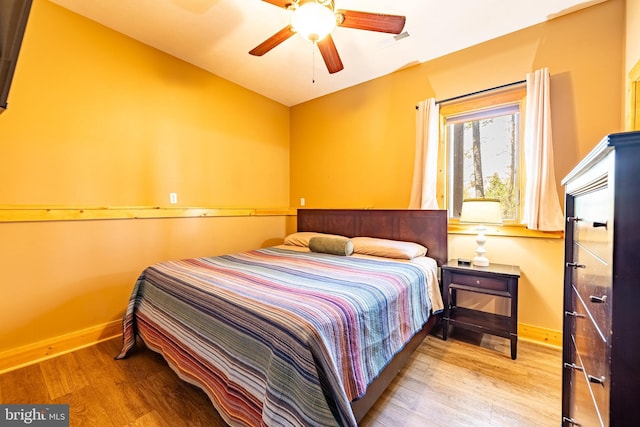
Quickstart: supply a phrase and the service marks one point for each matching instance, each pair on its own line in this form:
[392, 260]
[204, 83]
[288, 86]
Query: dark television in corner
[13, 21]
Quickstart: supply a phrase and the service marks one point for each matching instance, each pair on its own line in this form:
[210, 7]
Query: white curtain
[541, 204]
[425, 170]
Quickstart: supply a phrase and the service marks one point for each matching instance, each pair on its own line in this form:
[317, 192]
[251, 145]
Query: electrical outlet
[173, 197]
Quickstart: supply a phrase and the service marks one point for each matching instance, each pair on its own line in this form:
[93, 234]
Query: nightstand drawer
[475, 281]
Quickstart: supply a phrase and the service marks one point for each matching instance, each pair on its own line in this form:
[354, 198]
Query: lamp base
[481, 261]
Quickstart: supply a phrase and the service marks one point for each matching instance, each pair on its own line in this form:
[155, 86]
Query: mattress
[281, 337]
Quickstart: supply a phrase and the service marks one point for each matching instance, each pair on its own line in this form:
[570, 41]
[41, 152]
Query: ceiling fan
[316, 19]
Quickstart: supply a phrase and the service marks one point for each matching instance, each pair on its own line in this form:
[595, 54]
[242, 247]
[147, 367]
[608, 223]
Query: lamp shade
[481, 211]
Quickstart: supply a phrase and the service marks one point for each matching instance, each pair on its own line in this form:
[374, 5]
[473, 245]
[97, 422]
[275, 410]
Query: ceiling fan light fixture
[313, 21]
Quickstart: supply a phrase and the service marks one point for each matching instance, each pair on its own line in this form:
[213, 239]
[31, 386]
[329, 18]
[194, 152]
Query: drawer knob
[573, 314]
[597, 224]
[573, 366]
[573, 219]
[598, 300]
[575, 265]
[596, 380]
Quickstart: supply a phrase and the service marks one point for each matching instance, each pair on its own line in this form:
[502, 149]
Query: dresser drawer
[594, 229]
[592, 280]
[582, 408]
[593, 352]
[490, 283]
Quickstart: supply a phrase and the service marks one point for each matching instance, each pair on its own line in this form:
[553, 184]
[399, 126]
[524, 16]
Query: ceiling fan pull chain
[313, 62]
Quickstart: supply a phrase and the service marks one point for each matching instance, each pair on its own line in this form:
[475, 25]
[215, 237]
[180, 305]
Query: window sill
[507, 230]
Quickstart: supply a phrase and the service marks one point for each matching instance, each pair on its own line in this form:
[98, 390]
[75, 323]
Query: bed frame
[427, 227]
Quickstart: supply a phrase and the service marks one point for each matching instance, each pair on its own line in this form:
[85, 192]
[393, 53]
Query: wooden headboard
[427, 227]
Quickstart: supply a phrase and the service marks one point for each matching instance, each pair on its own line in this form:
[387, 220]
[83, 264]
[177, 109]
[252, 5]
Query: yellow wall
[355, 148]
[632, 27]
[95, 118]
[632, 65]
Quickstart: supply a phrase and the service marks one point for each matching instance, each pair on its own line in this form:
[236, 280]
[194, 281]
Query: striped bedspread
[278, 337]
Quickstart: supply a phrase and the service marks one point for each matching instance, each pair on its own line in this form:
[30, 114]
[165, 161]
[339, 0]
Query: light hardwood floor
[468, 380]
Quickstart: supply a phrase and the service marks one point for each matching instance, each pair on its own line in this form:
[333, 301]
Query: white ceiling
[216, 35]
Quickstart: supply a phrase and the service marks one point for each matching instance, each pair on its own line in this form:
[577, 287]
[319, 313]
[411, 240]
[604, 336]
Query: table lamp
[481, 211]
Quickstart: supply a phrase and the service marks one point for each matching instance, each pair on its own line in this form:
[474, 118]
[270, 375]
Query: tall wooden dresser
[601, 331]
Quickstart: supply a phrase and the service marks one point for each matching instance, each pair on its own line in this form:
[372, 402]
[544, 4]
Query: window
[482, 156]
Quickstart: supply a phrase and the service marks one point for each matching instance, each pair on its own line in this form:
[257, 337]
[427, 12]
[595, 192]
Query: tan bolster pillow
[331, 245]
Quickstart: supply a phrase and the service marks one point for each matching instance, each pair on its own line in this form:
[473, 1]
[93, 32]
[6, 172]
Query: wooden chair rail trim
[31, 213]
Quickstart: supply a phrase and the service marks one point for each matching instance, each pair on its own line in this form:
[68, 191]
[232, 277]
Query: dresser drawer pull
[570, 421]
[597, 224]
[596, 380]
[573, 314]
[573, 219]
[598, 300]
[575, 265]
[573, 366]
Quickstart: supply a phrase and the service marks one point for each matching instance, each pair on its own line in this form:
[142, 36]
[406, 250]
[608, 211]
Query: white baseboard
[43, 350]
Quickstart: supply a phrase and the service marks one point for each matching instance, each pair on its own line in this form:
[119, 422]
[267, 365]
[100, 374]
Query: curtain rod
[455, 98]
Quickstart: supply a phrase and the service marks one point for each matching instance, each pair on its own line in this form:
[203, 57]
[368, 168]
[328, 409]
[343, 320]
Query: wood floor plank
[165, 390]
[468, 380]
[96, 357]
[85, 408]
[152, 418]
[119, 397]
[24, 385]
[63, 375]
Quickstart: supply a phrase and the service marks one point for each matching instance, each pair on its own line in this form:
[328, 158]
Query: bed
[295, 334]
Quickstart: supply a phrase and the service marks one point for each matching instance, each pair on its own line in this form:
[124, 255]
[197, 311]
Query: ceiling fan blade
[371, 21]
[330, 54]
[272, 41]
[280, 3]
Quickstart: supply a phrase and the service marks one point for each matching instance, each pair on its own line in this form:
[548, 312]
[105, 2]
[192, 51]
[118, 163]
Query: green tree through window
[482, 157]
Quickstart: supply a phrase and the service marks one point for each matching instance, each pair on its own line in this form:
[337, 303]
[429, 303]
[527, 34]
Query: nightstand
[499, 280]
